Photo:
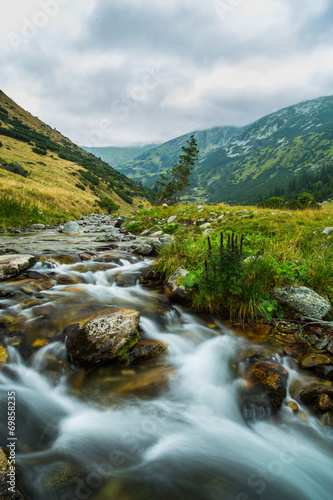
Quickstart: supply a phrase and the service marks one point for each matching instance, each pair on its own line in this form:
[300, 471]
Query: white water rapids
[189, 441]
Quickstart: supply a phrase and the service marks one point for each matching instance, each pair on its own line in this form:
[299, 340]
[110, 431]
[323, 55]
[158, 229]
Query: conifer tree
[176, 178]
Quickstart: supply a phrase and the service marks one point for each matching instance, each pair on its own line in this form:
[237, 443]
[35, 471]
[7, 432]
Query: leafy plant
[290, 272]
[269, 307]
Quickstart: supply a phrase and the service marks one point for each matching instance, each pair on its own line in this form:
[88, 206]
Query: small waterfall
[188, 441]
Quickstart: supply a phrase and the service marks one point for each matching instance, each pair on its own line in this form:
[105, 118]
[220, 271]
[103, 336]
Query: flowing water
[165, 429]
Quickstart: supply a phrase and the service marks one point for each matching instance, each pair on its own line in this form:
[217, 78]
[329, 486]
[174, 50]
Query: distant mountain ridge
[116, 156]
[238, 164]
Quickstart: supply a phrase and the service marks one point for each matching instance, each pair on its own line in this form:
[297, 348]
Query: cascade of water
[189, 441]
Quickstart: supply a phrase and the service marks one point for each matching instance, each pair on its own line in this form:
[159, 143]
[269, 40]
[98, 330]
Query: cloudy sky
[122, 72]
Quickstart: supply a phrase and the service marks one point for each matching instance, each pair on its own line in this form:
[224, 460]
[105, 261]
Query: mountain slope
[58, 175]
[236, 165]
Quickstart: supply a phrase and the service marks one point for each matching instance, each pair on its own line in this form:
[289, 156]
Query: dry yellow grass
[51, 183]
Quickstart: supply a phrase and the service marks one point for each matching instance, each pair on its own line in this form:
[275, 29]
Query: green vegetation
[14, 213]
[16, 168]
[176, 179]
[69, 182]
[260, 249]
[303, 201]
[282, 154]
[109, 205]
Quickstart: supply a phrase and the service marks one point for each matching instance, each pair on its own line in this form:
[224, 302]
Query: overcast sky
[122, 72]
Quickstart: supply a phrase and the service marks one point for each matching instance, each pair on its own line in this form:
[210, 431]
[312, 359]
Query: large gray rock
[144, 249]
[328, 230]
[72, 227]
[177, 292]
[302, 301]
[13, 264]
[103, 338]
[108, 237]
[37, 227]
[151, 230]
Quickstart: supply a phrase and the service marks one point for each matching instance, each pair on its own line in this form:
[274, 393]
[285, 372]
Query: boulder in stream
[177, 292]
[265, 387]
[72, 227]
[110, 236]
[105, 337]
[13, 264]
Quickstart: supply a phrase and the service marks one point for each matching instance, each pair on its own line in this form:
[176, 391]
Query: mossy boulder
[312, 392]
[105, 337]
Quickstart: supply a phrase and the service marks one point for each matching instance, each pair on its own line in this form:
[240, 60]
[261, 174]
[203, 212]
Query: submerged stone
[67, 279]
[147, 349]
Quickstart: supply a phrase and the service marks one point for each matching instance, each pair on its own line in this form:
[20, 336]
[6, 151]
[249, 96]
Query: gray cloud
[128, 71]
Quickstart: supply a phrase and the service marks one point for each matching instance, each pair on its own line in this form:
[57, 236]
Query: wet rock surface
[177, 292]
[264, 390]
[13, 264]
[106, 337]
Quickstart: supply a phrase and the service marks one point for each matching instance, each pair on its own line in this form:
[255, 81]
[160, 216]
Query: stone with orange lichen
[325, 402]
[268, 391]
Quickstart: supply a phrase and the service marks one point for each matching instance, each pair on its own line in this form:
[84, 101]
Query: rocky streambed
[122, 393]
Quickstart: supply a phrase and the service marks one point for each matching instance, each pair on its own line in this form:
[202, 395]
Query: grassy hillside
[60, 177]
[274, 248]
[237, 165]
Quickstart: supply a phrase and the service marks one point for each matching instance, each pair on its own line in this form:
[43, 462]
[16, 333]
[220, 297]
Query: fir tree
[176, 179]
